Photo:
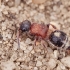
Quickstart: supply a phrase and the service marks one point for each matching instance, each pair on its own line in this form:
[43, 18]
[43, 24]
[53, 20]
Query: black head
[57, 38]
[25, 26]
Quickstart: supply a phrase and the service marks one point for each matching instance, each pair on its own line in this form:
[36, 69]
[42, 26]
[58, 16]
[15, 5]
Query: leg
[18, 42]
[43, 43]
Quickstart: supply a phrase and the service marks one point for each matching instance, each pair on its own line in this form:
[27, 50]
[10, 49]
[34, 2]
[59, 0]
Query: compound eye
[25, 26]
[57, 38]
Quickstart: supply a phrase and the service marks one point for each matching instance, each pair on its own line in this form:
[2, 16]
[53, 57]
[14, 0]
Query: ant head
[58, 38]
[25, 26]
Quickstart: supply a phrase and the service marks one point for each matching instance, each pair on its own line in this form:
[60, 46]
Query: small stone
[6, 42]
[39, 63]
[14, 10]
[25, 67]
[15, 46]
[28, 41]
[66, 61]
[32, 51]
[41, 7]
[13, 57]
[56, 54]
[27, 59]
[29, 1]
[5, 12]
[0, 42]
[61, 66]
[9, 36]
[55, 24]
[3, 27]
[9, 44]
[49, 50]
[17, 63]
[35, 68]
[52, 63]
[44, 61]
[40, 57]
[32, 13]
[17, 2]
[20, 59]
[10, 3]
[30, 48]
[22, 46]
[38, 1]
[52, 17]
[58, 68]
[55, 8]
[26, 51]
[4, 36]
[8, 65]
[7, 0]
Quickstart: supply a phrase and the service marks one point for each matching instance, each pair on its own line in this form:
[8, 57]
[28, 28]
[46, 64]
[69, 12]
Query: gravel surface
[30, 57]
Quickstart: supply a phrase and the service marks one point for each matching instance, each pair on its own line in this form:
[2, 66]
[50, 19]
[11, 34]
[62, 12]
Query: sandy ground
[30, 57]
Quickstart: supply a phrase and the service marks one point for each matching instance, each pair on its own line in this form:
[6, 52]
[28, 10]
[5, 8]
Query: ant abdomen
[58, 38]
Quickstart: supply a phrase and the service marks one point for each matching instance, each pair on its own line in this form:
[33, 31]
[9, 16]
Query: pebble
[66, 61]
[40, 57]
[8, 65]
[38, 1]
[0, 42]
[61, 66]
[33, 12]
[49, 50]
[55, 24]
[3, 26]
[39, 63]
[9, 44]
[52, 17]
[56, 54]
[22, 46]
[27, 59]
[26, 51]
[13, 57]
[44, 61]
[15, 46]
[41, 7]
[2, 7]
[35, 68]
[9, 36]
[30, 48]
[25, 67]
[5, 12]
[52, 63]
[29, 1]
[55, 8]
[14, 10]
[28, 41]
[20, 60]
[17, 2]
[32, 51]
[58, 68]
[4, 38]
